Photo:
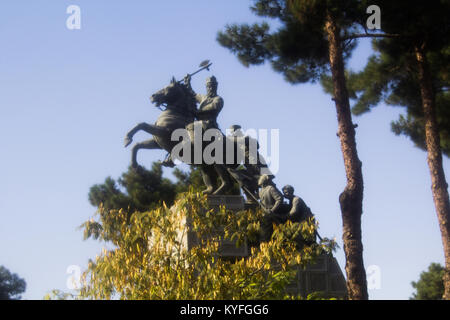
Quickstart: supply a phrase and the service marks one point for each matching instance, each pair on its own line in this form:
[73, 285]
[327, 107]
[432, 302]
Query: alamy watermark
[196, 145]
[73, 282]
[373, 277]
[374, 21]
[73, 22]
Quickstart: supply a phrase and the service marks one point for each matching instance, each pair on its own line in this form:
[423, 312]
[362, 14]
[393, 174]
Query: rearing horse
[180, 110]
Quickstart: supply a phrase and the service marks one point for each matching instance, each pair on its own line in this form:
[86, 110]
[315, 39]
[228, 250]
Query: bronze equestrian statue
[179, 101]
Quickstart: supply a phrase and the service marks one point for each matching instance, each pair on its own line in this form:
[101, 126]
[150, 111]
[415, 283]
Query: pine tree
[412, 70]
[135, 191]
[316, 39]
[430, 285]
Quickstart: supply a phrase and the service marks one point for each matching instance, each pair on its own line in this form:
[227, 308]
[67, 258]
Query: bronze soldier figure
[209, 108]
[248, 163]
[210, 104]
[272, 203]
[298, 210]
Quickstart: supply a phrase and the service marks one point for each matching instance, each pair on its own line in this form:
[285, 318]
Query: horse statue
[179, 113]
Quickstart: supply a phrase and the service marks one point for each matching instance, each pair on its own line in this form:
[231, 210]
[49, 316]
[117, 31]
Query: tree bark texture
[352, 196]
[438, 183]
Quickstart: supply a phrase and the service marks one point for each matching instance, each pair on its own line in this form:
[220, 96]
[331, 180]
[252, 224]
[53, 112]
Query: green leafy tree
[149, 257]
[151, 260]
[11, 285]
[430, 285]
[315, 39]
[412, 70]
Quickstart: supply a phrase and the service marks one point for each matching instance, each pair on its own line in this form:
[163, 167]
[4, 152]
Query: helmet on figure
[211, 80]
[288, 188]
[236, 131]
[264, 180]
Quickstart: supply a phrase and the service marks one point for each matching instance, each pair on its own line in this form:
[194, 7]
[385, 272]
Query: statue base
[227, 248]
[324, 276]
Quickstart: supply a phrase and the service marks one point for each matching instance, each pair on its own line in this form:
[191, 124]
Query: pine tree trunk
[351, 198]
[438, 184]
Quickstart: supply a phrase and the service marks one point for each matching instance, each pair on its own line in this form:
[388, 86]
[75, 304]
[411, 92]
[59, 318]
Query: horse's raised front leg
[150, 128]
[207, 174]
[224, 178]
[148, 144]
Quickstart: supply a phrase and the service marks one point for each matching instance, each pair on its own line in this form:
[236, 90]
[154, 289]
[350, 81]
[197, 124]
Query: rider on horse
[210, 106]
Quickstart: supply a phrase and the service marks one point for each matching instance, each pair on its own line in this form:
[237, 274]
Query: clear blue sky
[67, 98]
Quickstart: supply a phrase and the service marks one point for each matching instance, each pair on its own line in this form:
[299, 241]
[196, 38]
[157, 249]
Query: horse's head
[169, 95]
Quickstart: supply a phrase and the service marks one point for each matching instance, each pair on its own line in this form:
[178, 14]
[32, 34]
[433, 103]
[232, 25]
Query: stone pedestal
[227, 248]
[235, 203]
[324, 276]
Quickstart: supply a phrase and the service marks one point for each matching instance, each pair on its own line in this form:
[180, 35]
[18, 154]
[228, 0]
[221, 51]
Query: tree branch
[372, 35]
